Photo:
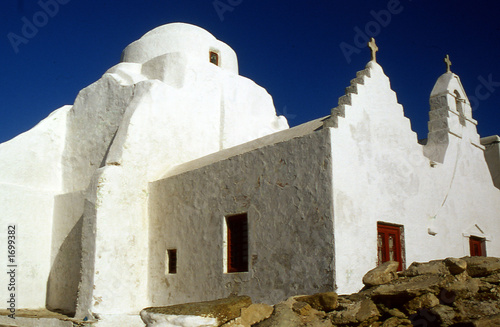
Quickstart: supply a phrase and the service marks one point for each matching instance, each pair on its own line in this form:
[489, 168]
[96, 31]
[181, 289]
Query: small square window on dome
[214, 58]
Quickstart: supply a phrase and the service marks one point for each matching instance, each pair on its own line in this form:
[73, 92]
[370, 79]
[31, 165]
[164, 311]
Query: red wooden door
[389, 244]
[476, 247]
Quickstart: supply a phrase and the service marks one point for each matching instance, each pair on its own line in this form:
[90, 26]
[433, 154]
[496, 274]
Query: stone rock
[210, 313]
[318, 322]
[493, 279]
[282, 316]
[436, 267]
[256, 313]
[382, 274]
[251, 315]
[354, 312]
[436, 294]
[455, 265]
[487, 321]
[321, 301]
[152, 319]
[482, 266]
[396, 313]
[390, 311]
[463, 289]
[444, 313]
[407, 287]
[477, 309]
[315, 318]
[395, 322]
[367, 310]
[485, 287]
[238, 322]
[427, 301]
[302, 308]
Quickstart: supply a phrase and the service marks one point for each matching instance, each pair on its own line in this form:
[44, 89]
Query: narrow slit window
[214, 58]
[237, 243]
[459, 104]
[172, 261]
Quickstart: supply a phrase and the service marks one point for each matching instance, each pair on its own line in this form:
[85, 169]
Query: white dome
[189, 40]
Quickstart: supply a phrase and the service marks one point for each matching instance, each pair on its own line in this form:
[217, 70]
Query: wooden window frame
[385, 230]
[237, 243]
[477, 246]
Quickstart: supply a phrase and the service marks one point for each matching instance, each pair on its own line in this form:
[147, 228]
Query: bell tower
[450, 116]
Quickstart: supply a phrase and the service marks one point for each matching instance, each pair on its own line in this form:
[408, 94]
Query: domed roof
[175, 28]
[192, 41]
[448, 83]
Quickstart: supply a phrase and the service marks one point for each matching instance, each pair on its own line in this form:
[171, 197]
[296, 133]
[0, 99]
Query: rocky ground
[450, 292]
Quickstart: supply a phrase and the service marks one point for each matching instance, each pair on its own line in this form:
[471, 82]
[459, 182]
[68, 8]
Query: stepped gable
[346, 100]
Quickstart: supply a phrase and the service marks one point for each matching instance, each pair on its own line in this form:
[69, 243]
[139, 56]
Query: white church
[171, 179]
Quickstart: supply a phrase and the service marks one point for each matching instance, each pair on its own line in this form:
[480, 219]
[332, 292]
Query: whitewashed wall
[381, 174]
[183, 107]
[76, 184]
[30, 176]
[285, 189]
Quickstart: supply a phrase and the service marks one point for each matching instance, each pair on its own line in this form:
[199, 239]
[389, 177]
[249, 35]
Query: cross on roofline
[373, 47]
[448, 63]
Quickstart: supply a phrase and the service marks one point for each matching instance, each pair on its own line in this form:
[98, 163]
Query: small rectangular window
[171, 263]
[477, 247]
[214, 58]
[237, 243]
[389, 244]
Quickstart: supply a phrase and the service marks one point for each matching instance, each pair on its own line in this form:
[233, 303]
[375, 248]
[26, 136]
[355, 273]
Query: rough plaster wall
[119, 274]
[166, 123]
[92, 124]
[384, 176]
[284, 188]
[153, 136]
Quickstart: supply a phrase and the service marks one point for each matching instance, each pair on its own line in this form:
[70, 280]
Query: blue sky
[303, 52]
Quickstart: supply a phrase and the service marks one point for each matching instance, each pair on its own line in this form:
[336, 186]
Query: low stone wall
[450, 292]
